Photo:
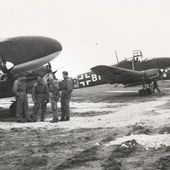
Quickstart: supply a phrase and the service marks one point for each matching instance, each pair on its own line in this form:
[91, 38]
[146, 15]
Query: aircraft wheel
[145, 92]
[149, 91]
[141, 92]
[12, 109]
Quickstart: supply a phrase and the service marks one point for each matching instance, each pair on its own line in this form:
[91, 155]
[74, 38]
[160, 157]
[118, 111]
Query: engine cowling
[164, 73]
[151, 74]
[3, 77]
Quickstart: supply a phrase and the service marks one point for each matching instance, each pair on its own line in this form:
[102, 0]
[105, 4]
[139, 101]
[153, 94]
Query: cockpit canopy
[137, 56]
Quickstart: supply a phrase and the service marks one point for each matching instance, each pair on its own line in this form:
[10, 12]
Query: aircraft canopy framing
[137, 54]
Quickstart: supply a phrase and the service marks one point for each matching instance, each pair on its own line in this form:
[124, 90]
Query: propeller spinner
[163, 73]
[5, 68]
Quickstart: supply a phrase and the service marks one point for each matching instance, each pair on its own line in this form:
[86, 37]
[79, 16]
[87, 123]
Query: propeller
[163, 74]
[50, 69]
[49, 73]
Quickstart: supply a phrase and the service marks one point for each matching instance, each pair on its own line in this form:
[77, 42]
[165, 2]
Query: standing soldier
[54, 96]
[155, 86]
[67, 88]
[20, 91]
[40, 96]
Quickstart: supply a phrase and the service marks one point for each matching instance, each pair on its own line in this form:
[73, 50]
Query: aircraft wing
[32, 65]
[118, 75]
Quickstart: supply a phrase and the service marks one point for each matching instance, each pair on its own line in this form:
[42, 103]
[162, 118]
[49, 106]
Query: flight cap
[65, 73]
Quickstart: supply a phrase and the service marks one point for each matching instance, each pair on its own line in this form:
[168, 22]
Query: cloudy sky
[91, 30]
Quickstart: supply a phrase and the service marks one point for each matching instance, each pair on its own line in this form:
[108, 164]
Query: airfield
[110, 129]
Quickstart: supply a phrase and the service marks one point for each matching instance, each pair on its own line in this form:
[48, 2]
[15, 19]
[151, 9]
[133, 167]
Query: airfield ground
[110, 129]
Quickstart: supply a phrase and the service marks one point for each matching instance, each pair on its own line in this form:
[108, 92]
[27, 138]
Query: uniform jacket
[54, 88]
[67, 86]
[40, 91]
[19, 87]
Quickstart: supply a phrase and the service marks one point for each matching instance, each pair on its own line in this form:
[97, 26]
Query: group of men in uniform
[41, 93]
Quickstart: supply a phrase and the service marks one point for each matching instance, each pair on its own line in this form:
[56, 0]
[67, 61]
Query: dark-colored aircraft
[135, 71]
[28, 55]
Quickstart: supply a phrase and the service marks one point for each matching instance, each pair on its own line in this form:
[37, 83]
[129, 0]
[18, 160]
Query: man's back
[67, 85]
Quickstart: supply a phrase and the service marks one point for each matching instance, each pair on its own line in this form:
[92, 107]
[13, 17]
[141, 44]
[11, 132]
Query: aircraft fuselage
[159, 63]
[91, 79]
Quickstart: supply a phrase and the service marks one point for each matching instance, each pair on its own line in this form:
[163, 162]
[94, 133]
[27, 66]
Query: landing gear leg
[12, 109]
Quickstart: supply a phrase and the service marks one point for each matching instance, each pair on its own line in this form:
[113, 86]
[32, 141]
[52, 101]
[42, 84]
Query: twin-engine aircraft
[28, 55]
[133, 72]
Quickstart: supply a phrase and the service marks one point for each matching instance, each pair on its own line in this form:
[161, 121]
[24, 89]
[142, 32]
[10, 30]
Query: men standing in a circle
[67, 88]
[54, 96]
[20, 91]
[40, 96]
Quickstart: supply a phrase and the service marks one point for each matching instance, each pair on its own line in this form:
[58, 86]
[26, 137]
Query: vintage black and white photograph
[84, 84]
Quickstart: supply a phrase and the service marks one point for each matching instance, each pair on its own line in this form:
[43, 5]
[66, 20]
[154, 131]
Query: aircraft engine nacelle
[151, 74]
[5, 68]
[3, 77]
[164, 73]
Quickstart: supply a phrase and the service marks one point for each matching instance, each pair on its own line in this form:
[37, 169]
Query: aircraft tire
[141, 92]
[12, 109]
[145, 92]
[149, 92]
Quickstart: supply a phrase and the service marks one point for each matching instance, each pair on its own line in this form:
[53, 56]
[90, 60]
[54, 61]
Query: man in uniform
[40, 96]
[155, 86]
[54, 96]
[67, 88]
[20, 91]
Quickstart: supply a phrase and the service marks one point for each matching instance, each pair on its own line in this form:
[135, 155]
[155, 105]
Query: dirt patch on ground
[164, 130]
[107, 131]
[80, 159]
[89, 114]
[163, 163]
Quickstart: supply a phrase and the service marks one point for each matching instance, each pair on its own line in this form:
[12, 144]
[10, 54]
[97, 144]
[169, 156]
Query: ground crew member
[20, 91]
[155, 86]
[54, 97]
[40, 96]
[67, 88]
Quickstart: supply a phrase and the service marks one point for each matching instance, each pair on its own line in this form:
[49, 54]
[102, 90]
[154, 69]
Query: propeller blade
[49, 68]
[54, 72]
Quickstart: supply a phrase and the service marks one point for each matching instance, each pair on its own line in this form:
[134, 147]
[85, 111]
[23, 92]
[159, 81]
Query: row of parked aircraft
[31, 55]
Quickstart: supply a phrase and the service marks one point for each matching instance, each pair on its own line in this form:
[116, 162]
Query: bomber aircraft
[28, 55]
[133, 72]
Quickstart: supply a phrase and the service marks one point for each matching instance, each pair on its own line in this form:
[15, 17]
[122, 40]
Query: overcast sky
[91, 30]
